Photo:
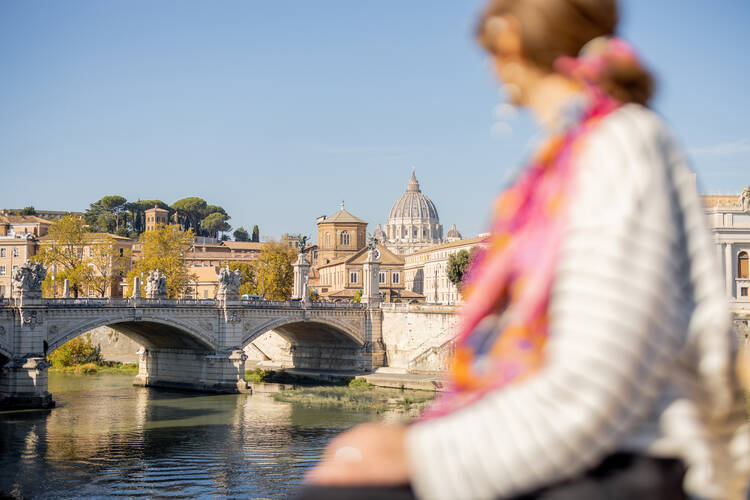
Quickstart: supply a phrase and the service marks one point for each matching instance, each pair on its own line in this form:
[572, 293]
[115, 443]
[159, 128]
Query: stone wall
[271, 349]
[114, 345]
[417, 337]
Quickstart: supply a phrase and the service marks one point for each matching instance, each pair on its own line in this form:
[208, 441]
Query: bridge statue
[229, 284]
[156, 285]
[744, 200]
[27, 280]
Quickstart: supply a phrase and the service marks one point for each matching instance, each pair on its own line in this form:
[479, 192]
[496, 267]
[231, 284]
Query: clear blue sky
[278, 110]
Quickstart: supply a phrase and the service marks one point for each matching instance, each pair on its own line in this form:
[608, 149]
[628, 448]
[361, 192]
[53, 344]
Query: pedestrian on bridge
[595, 357]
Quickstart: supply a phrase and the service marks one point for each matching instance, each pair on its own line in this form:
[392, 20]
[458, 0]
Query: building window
[345, 238]
[396, 278]
[381, 277]
[743, 291]
[328, 239]
[353, 277]
[2, 252]
[2, 291]
[122, 252]
[15, 252]
[742, 266]
[2, 271]
[13, 271]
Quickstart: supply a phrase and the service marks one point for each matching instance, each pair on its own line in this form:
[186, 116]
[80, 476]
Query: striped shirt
[640, 356]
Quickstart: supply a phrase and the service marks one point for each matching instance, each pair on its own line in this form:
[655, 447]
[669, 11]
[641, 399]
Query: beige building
[729, 217]
[114, 264]
[343, 279]
[217, 254]
[340, 235]
[156, 216]
[426, 271]
[11, 225]
[14, 251]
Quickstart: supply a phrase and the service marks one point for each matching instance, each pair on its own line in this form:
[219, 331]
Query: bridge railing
[141, 302]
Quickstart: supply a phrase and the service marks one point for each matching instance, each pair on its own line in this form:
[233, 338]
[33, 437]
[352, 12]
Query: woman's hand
[367, 455]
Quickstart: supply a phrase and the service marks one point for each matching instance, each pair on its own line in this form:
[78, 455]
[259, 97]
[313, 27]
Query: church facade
[729, 217]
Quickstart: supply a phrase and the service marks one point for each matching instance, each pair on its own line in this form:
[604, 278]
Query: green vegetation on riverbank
[94, 368]
[81, 357]
[358, 397]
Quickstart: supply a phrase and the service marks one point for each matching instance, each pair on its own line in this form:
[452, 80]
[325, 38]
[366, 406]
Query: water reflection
[108, 438]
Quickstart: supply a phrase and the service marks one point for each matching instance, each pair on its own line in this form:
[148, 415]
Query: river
[107, 438]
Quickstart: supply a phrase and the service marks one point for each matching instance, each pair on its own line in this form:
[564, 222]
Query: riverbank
[98, 368]
[338, 391]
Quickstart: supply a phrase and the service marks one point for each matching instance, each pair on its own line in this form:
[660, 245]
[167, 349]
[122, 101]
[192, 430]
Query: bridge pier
[221, 372]
[23, 384]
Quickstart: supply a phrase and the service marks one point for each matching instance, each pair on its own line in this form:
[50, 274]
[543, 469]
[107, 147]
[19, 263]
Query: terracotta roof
[342, 216]
[24, 219]
[94, 237]
[243, 245]
[386, 257]
[458, 243]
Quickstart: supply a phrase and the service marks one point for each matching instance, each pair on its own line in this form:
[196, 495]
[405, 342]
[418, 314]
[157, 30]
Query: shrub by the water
[76, 352]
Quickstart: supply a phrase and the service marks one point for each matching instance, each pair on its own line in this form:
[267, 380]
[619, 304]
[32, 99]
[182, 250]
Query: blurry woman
[595, 357]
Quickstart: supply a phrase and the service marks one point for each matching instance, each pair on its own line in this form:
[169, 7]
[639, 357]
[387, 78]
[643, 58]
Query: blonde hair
[551, 29]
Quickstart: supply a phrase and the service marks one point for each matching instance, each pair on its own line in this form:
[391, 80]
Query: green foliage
[359, 382]
[362, 398]
[76, 352]
[256, 376]
[63, 254]
[274, 271]
[214, 223]
[357, 297]
[256, 234]
[241, 234]
[249, 282]
[30, 210]
[164, 249]
[314, 295]
[458, 267]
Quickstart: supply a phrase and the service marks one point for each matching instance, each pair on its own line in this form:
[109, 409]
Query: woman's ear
[508, 37]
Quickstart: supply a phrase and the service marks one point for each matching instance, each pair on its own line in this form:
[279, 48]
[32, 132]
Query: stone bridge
[196, 344]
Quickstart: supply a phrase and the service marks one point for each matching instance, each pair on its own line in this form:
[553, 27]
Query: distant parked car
[251, 297]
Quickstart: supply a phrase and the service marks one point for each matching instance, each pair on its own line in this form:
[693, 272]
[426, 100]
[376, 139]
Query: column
[728, 265]
[301, 274]
[370, 279]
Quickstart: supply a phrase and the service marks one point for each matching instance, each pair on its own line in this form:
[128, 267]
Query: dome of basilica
[413, 222]
[414, 204]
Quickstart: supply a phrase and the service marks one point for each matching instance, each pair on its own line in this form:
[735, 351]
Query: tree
[62, 253]
[256, 234]
[30, 210]
[108, 215]
[164, 249]
[190, 211]
[241, 234]
[214, 223]
[458, 266]
[249, 282]
[275, 274]
[108, 264]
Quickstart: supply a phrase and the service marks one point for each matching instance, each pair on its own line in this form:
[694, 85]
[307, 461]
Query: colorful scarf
[503, 327]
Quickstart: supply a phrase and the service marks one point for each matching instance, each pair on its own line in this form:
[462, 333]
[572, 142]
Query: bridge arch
[297, 330]
[149, 332]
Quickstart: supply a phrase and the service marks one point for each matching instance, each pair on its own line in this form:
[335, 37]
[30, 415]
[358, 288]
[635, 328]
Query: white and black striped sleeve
[616, 316]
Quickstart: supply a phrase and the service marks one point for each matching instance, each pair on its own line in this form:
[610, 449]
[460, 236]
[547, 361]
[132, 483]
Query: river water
[107, 438]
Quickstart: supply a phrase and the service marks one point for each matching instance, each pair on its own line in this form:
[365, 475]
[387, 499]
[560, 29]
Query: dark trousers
[621, 476]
